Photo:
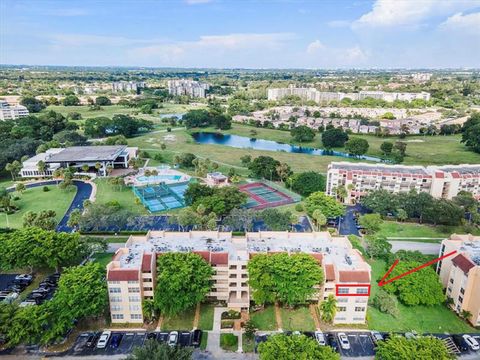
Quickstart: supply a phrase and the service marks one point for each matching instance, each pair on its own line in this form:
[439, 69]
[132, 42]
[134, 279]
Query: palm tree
[328, 309]
[148, 308]
[341, 192]
[85, 168]
[465, 314]
[283, 170]
[319, 218]
[98, 166]
[41, 167]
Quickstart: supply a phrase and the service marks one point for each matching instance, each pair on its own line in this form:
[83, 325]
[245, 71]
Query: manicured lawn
[204, 341]
[206, 317]
[404, 230]
[229, 342]
[297, 319]
[248, 345]
[102, 258]
[264, 319]
[35, 199]
[423, 319]
[125, 196]
[183, 321]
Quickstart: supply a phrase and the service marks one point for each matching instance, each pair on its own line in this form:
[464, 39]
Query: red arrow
[383, 282]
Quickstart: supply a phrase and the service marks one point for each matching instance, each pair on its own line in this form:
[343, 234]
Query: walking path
[213, 345]
[313, 312]
[278, 317]
[197, 317]
[423, 247]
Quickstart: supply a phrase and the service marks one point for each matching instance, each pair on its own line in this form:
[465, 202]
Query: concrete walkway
[213, 345]
[423, 247]
[278, 317]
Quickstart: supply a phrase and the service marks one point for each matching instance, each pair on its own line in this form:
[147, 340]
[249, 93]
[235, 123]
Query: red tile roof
[354, 276]
[463, 263]
[439, 175]
[319, 257]
[204, 254]
[123, 275]
[147, 262]
[219, 258]
[329, 272]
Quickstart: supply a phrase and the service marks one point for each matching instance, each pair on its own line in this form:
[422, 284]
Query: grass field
[297, 319]
[35, 199]
[229, 342]
[111, 110]
[183, 321]
[423, 319]
[206, 317]
[264, 319]
[401, 230]
[125, 196]
[102, 258]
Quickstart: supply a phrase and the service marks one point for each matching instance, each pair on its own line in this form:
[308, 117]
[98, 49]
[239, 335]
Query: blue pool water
[156, 178]
[244, 142]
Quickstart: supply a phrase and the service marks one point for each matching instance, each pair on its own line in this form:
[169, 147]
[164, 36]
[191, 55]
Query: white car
[376, 336]
[471, 342]
[103, 340]
[344, 343]
[320, 338]
[173, 338]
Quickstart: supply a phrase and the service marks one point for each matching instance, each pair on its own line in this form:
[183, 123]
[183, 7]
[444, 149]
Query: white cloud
[390, 13]
[336, 57]
[469, 23]
[315, 46]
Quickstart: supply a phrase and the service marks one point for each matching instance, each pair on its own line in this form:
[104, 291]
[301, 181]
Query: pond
[244, 142]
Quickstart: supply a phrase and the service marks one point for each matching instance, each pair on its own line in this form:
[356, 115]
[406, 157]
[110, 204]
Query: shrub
[386, 303]
[231, 314]
[46, 189]
[299, 207]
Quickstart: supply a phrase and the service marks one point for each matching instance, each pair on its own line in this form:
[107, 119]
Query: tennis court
[261, 196]
[161, 197]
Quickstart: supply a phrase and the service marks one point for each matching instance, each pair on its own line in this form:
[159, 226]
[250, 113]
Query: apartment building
[439, 181]
[12, 112]
[127, 86]
[319, 96]
[131, 275]
[188, 87]
[460, 274]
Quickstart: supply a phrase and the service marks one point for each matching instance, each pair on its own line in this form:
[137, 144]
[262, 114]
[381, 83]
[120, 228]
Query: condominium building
[439, 181]
[319, 96]
[460, 274]
[188, 87]
[127, 86]
[131, 275]
[11, 112]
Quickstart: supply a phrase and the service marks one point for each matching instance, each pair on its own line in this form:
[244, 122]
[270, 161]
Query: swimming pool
[158, 178]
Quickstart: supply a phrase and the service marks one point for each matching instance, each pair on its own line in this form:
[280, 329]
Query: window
[358, 319]
[136, 316]
[359, 308]
[340, 318]
[114, 282]
[147, 289]
[114, 290]
[460, 299]
[115, 299]
[132, 281]
[133, 290]
[134, 298]
[117, 316]
[233, 267]
[343, 290]
[342, 300]
[451, 281]
[134, 307]
[115, 308]
[147, 280]
[328, 289]
[361, 300]
[362, 291]
[341, 308]
[462, 291]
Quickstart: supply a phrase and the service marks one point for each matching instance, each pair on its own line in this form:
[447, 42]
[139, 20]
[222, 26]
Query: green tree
[326, 204]
[240, 219]
[74, 218]
[20, 188]
[153, 350]
[328, 308]
[302, 133]
[294, 347]
[319, 218]
[276, 220]
[32, 104]
[378, 247]
[45, 219]
[289, 279]
[102, 101]
[401, 215]
[419, 288]
[424, 347]
[386, 303]
[370, 222]
[71, 100]
[14, 168]
[334, 137]
[183, 280]
[264, 167]
[386, 148]
[307, 182]
[356, 146]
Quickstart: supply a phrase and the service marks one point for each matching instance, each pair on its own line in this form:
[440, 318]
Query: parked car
[320, 338]
[332, 342]
[460, 342]
[103, 340]
[471, 342]
[410, 335]
[376, 336]
[151, 336]
[196, 337]
[92, 340]
[309, 334]
[26, 278]
[173, 338]
[27, 302]
[162, 337]
[115, 342]
[344, 343]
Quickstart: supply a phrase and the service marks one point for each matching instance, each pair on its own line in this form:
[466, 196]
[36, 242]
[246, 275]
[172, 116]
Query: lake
[244, 142]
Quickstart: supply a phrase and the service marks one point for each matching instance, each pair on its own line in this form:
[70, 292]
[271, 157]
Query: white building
[320, 96]
[439, 181]
[188, 87]
[11, 112]
[127, 86]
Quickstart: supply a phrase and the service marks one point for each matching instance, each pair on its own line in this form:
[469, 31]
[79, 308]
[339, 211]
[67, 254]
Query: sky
[319, 34]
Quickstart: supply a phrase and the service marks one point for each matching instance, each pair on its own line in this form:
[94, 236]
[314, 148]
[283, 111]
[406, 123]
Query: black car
[151, 336]
[162, 337]
[309, 334]
[115, 342]
[460, 342]
[92, 340]
[332, 342]
[196, 338]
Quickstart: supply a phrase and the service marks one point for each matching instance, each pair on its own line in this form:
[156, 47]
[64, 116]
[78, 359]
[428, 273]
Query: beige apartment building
[131, 275]
[460, 274]
[439, 181]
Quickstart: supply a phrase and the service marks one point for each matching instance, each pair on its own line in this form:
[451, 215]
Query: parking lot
[128, 340]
